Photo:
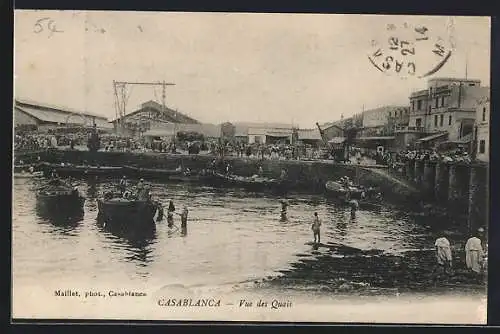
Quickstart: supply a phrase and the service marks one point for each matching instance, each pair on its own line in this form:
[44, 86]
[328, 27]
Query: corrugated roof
[48, 107]
[58, 117]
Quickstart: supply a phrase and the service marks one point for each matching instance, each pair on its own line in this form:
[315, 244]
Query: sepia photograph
[190, 166]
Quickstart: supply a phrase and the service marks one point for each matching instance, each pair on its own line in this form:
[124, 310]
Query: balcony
[417, 129]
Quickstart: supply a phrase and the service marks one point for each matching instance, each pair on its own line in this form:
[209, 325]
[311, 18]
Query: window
[442, 101]
[484, 114]
[441, 118]
[435, 120]
[257, 139]
[413, 105]
[418, 123]
[449, 120]
[472, 85]
[437, 101]
[419, 104]
[482, 146]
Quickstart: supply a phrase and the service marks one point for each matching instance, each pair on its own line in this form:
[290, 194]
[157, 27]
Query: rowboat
[82, 170]
[59, 198]
[253, 183]
[151, 173]
[121, 212]
[337, 189]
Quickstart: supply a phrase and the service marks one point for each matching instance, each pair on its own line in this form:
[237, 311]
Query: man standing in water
[316, 228]
[184, 218]
[354, 207]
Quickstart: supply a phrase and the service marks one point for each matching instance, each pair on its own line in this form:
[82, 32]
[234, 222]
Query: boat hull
[83, 171]
[60, 205]
[127, 213]
[150, 173]
[250, 185]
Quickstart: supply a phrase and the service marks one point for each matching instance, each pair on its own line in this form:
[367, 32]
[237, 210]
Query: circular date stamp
[410, 51]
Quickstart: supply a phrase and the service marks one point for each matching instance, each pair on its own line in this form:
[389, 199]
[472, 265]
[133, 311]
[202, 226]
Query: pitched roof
[60, 117]
[47, 107]
[170, 114]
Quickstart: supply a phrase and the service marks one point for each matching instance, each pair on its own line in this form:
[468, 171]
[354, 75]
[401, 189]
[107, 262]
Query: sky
[281, 68]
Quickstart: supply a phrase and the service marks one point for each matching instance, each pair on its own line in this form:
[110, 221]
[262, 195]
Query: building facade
[149, 116]
[42, 117]
[448, 105]
[483, 130]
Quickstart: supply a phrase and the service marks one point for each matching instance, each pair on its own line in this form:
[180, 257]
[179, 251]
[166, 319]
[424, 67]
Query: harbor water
[236, 242]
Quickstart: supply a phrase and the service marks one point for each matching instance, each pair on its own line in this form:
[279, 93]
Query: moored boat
[151, 173]
[338, 189]
[82, 170]
[118, 211]
[253, 183]
[59, 197]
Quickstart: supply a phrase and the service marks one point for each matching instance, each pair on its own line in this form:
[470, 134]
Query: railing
[410, 129]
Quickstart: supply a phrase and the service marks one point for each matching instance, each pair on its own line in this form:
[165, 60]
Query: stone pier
[458, 189]
[410, 170]
[441, 182]
[419, 171]
[429, 179]
[478, 197]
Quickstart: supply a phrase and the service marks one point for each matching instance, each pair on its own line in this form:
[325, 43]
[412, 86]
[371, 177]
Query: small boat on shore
[27, 175]
[366, 204]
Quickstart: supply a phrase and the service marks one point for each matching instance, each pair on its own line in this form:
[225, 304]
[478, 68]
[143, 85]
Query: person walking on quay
[474, 253]
[316, 226]
[443, 255]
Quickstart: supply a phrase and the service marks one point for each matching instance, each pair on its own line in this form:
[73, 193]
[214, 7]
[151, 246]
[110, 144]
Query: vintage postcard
[250, 167]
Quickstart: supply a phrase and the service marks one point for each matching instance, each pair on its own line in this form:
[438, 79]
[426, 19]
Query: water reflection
[136, 240]
[69, 218]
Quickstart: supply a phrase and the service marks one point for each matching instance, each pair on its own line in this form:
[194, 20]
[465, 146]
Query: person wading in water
[184, 218]
[170, 214]
[316, 225]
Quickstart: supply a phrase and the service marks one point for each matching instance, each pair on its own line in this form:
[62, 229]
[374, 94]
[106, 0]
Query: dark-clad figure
[171, 206]
[284, 206]
[123, 184]
[184, 219]
[316, 226]
[170, 219]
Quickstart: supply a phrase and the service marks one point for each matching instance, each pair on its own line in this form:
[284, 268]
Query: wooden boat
[82, 170]
[121, 212]
[151, 173]
[59, 197]
[254, 183]
[337, 189]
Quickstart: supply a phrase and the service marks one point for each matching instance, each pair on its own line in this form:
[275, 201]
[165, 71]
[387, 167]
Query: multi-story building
[483, 129]
[447, 107]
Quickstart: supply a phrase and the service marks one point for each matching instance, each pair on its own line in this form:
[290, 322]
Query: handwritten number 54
[39, 25]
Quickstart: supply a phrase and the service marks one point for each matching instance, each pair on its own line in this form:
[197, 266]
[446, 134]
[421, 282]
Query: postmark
[408, 50]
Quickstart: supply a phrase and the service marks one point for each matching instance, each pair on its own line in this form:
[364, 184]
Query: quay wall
[460, 188]
[309, 176]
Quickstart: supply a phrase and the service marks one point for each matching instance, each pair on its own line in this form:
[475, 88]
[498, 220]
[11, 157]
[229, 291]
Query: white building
[483, 129]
